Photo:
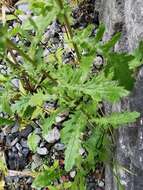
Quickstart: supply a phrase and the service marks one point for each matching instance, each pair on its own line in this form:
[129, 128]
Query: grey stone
[37, 131]
[59, 146]
[18, 146]
[52, 136]
[14, 141]
[15, 128]
[15, 82]
[37, 161]
[42, 151]
[23, 143]
[25, 152]
[25, 132]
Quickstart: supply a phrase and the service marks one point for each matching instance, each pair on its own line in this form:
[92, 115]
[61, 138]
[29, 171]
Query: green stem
[60, 3]
[11, 45]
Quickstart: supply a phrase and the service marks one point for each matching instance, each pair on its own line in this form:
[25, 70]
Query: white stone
[72, 174]
[52, 136]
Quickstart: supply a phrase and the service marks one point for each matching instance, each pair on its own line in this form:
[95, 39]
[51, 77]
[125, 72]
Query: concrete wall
[126, 16]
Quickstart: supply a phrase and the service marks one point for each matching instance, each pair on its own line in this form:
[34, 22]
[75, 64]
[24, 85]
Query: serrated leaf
[37, 99]
[21, 105]
[36, 112]
[100, 33]
[6, 105]
[21, 88]
[117, 119]
[138, 57]
[119, 63]
[71, 134]
[45, 179]
[72, 151]
[4, 121]
[111, 43]
[102, 88]
[47, 124]
[3, 78]
[33, 141]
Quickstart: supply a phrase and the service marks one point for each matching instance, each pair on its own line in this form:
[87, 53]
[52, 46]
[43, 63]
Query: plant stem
[11, 45]
[60, 3]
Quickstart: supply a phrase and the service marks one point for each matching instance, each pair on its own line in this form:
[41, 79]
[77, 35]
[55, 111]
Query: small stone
[23, 143]
[52, 136]
[25, 132]
[72, 174]
[98, 62]
[37, 131]
[15, 82]
[29, 180]
[101, 184]
[14, 141]
[15, 128]
[1, 136]
[59, 146]
[25, 151]
[42, 144]
[14, 150]
[18, 146]
[37, 161]
[81, 151]
[42, 151]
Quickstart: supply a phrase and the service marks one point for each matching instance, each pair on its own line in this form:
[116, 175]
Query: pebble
[14, 141]
[15, 82]
[59, 146]
[81, 151]
[42, 144]
[37, 131]
[25, 151]
[101, 184]
[18, 146]
[72, 174]
[25, 132]
[42, 151]
[23, 143]
[37, 161]
[52, 136]
[98, 62]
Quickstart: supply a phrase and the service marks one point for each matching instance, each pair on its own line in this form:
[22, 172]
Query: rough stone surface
[126, 16]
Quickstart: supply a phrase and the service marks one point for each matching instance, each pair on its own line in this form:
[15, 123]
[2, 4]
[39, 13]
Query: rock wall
[126, 16]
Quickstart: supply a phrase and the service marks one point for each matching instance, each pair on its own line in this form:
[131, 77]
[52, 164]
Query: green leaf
[72, 150]
[100, 33]
[117, 119]
[119, 64]
[45, 178]
[47, 124]
[4, 121]
[138, 57]
[36, 112]
[21, 105]
[3, 78]
[37, 99]
[33, 141]
[111, 43]
[21, 88]
[101, 88]
[6, 105]
[71, 134]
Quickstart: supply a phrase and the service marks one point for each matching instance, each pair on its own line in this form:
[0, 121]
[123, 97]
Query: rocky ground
[13, 143]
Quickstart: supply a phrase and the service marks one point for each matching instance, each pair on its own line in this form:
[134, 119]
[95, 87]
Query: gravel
[52, 136]
[42, 151]
[59, 146]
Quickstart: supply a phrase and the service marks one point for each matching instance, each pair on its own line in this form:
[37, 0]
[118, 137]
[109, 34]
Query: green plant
[75, 89]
